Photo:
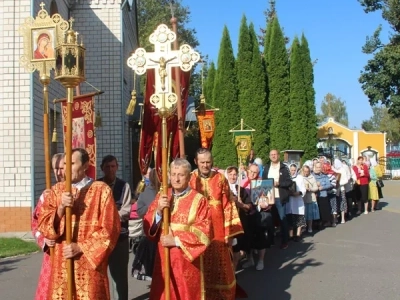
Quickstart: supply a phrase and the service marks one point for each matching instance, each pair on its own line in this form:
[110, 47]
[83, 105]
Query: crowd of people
[215, 224]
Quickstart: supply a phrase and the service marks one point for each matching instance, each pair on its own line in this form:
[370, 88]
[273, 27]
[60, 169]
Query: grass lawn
[16, 246]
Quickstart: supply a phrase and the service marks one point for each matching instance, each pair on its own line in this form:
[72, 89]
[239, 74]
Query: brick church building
[109, 31]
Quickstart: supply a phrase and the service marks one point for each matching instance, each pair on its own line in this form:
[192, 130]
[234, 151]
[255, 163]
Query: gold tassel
[97, 121]
[54, 138]
[132, 104]
[140, 187]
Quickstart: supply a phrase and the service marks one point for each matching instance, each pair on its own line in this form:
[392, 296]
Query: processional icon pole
[164, 100]
[41, 36]
[70, 72]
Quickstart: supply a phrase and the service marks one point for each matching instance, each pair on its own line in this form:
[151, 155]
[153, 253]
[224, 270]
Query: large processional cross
[162, 60]
[164, 99]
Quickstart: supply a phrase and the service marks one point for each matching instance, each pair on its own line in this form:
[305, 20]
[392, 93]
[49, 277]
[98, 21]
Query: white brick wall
[99, 22]
[15, 116]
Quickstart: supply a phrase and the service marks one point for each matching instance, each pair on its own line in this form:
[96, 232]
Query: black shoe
[333, 224]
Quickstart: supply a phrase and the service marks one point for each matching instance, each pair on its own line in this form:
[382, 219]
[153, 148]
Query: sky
[335, 30]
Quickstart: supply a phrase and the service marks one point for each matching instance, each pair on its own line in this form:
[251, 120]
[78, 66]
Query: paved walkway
[357, 260]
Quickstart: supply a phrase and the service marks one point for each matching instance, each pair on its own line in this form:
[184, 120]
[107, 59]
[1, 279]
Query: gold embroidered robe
[95, 228]
[190, 222]
[219, 274]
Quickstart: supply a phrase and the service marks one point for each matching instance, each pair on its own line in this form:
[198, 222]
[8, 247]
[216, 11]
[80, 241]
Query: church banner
[243, 143]
[150, 137]
[206, 121]
[83, 135]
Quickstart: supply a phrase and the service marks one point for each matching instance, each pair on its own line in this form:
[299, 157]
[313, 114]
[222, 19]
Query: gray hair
[181, 162]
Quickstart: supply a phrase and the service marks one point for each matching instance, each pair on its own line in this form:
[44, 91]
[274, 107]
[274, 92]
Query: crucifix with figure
[162, 60]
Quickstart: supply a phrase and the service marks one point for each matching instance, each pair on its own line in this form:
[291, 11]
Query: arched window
[53, 8]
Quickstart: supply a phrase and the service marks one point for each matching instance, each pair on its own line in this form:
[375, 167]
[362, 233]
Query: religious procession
[139, 191]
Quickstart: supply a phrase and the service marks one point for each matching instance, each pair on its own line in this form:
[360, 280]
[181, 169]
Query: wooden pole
[164, 168]
[45, 80]
[68, 188]
[181, 125]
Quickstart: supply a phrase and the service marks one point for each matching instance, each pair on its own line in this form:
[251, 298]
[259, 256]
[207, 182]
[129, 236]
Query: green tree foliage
[152, 13]
[278, 86]
[209, 84]
[380, 78]
[381, 120]
[298, 99]
[225, 96]
[334, 107]
[308, 73]
[269, 14]
[255, 113]
[243, 68]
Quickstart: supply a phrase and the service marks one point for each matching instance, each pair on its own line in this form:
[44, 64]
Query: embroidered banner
[150, 136]
[206, 122]
[83, 135]
[243, 142]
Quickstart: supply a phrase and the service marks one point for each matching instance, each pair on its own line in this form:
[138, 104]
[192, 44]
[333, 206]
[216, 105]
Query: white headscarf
[373, 162]
[337, 164]
[232, 186]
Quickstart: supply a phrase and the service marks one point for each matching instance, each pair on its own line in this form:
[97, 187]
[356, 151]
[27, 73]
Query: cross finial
[42, 5]
[71, 21]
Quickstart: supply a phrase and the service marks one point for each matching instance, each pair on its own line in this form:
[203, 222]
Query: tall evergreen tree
[298, 99]
[255, 113]
[225, 96]
[308, 74]
[243, 67]
[209, 84]
[278, 85]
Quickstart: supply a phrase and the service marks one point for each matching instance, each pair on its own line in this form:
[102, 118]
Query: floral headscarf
[327, 168]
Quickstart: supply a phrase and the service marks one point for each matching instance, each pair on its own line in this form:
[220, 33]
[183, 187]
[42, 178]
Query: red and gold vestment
[190, 223]
[95, 228]
[219, 274]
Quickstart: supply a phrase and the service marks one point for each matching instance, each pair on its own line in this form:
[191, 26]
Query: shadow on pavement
[9, 264]
[142, 297]
[279, 269]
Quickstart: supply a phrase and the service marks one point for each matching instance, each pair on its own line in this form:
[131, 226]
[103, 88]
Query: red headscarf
[327, 168]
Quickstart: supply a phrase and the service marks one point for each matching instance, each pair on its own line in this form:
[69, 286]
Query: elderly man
[189, 236]
[119, 258]
[95, 230]
[282, 181]
[57, 163]
[219, 276]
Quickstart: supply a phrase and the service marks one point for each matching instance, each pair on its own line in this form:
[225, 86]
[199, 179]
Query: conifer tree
[225, 97]
[209, 84]
[255, 114]
[308, 74]
[278, 87]
[298, 100]
[243, 66]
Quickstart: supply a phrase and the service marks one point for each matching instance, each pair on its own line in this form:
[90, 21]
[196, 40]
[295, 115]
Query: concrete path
[356, 260]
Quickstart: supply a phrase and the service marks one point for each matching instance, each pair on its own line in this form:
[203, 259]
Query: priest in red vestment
[219, 274]
[57, 163]
[95, 230]
[189, 237]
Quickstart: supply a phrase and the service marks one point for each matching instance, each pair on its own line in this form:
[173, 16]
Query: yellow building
[338, 140]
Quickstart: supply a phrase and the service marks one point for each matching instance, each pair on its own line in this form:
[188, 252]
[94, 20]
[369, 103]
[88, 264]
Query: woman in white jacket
[295, 208]
[341, 190]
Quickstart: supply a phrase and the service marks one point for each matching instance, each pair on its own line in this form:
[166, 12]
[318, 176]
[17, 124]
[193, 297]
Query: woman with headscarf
[343, 178]
[361, 186]
[373, 193]
[327, 170]
[349, 186]
[324, 186]
[244, 206]
[295, 207]
[310, 198]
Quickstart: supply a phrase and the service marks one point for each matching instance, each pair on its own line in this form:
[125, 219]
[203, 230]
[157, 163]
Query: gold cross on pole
[162, 60]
